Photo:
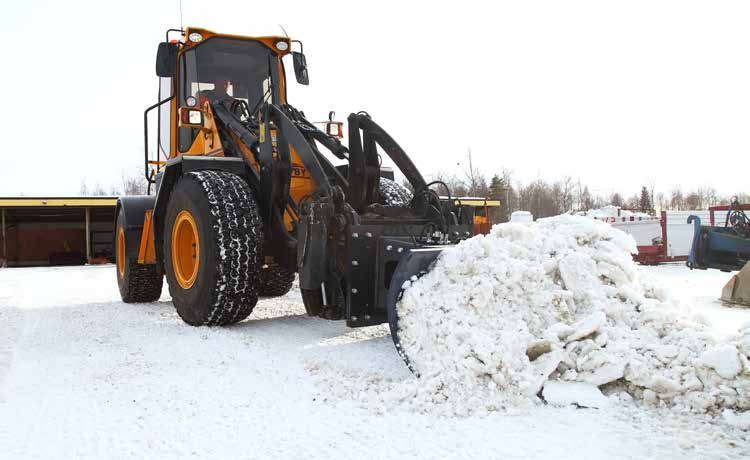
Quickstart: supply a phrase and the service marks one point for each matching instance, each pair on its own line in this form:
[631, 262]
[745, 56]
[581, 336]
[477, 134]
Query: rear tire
[275, 281]
[393, 193]
[313, 301]
[137, 282]
[216, 282]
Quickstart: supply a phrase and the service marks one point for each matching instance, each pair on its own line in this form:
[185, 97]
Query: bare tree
[475, 183]
[471, 174]
[708, 196]
[511, 195]
[454, 184]
[651, 189]
[99, 190]
[634, 202]
[134, 184]
[661, 201]
[677, 202]
[616, 200]
[567, 188]
[693, 201]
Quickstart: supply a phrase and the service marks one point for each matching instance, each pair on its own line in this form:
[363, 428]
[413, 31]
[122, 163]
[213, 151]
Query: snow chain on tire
[393, 194]
[142, 282]
[225, 289]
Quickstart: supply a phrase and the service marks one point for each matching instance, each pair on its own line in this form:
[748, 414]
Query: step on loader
[246, 195]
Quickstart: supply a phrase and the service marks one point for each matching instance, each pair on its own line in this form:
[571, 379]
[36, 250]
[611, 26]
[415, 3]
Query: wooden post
[88, 236]
[664, 241]
[5, 238]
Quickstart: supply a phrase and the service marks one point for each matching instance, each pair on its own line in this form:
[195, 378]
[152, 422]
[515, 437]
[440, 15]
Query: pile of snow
[557, 310]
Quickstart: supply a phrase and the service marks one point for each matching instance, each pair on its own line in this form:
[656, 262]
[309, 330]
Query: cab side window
[189, 71]
[165, 90]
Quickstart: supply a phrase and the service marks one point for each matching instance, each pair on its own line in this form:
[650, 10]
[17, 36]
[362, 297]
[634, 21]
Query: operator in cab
[218, 94]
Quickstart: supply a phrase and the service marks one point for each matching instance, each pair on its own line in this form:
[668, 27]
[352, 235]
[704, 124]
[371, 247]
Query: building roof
[38, 202]
[473, 201]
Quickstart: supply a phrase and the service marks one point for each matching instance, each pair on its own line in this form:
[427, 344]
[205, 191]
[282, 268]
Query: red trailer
[656, 253]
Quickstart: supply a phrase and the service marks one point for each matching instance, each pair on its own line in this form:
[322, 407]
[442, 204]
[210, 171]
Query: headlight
[282, 45]
[191, 101]
[195, 37]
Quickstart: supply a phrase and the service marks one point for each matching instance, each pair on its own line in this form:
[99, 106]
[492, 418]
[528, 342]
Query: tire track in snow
[10, 318]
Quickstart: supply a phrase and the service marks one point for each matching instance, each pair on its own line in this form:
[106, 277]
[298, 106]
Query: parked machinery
[726, 248]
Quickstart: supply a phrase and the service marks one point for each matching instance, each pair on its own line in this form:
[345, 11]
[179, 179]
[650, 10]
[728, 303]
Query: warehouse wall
[32, 243]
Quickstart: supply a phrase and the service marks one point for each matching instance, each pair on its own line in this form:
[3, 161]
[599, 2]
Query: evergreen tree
[645, 203]
[498, 191]
[587, 201]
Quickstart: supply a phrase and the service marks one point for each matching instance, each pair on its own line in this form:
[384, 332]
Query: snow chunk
[723, 359]
[567, 393]
[543, 367]
[587, 326]
[604, 374]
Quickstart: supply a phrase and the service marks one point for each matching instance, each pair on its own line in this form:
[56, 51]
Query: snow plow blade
[737, 290]
[412, 266]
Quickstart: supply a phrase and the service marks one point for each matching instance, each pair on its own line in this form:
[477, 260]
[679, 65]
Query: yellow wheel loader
[246, 194]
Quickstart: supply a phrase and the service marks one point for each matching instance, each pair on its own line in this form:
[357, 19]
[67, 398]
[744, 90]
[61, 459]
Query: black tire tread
[275, 281]
[144, 284]
[393, 194]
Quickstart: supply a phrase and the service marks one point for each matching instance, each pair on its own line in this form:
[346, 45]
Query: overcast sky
[618, 94]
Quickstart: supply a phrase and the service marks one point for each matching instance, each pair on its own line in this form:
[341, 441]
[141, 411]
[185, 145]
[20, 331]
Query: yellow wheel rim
[121, 252]
[185, 249]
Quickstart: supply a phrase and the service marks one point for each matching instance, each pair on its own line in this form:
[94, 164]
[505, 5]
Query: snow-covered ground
[83, 375]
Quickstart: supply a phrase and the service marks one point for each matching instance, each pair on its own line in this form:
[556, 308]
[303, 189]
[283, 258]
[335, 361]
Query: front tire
[213, 238]
[137, 282]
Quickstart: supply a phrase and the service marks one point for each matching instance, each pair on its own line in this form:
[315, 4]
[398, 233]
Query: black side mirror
[300, 68]
[166, 59]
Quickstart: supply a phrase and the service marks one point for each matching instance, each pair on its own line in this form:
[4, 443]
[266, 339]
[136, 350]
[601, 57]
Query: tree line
[542, 198]
[130, 184]
[550, 198]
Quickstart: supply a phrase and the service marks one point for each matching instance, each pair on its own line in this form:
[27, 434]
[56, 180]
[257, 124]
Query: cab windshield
[221, 69]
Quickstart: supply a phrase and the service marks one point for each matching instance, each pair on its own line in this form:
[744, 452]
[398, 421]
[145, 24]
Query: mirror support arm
[145, 136]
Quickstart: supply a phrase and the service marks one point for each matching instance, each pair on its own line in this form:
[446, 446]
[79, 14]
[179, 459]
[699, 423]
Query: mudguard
[172, 172]
[134, 210]
[412, 266]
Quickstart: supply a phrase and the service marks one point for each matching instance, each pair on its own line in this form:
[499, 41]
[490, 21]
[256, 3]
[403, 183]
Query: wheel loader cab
[251, 69]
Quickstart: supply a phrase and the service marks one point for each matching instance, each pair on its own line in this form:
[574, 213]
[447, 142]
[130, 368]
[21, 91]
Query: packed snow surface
[558, 310]
[85, 376]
